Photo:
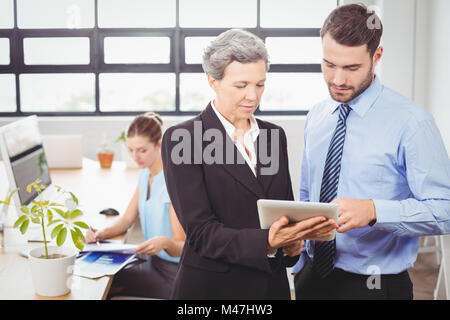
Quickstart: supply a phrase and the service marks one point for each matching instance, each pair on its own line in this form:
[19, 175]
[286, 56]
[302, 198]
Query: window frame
[177, 64]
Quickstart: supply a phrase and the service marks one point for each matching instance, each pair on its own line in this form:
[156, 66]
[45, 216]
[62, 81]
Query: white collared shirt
[249, 138]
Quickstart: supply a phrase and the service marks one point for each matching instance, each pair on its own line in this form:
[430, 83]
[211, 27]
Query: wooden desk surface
[95, 189]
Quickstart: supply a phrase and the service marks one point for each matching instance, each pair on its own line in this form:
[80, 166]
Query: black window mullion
[16, 56]
[96, 57]
[177, 54]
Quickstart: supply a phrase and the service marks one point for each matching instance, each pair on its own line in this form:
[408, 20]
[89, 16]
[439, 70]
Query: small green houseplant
[105, 154]
[121, 137]
[51, 266]
[45, 212]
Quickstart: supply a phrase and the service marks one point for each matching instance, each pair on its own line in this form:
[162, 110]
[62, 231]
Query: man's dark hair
[354, 25]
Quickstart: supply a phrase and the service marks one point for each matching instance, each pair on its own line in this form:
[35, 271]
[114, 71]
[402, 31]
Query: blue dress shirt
[154, 212]
[394, 155]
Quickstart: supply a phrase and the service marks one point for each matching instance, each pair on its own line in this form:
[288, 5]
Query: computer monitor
[24, 158]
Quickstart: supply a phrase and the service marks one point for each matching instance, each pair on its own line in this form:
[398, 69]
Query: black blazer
[225, 253]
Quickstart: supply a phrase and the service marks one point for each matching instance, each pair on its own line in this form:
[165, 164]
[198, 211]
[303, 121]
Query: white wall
[439, 66]
[399, 46]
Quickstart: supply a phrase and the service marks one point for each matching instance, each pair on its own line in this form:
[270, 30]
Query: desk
[95, 189]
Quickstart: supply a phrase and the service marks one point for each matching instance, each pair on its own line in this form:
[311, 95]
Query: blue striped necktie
[324, 253]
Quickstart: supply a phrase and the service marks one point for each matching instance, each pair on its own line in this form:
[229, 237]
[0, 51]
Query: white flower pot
[52, 277]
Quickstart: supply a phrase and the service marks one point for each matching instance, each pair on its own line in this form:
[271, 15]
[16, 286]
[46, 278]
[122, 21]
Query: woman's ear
[212, 83]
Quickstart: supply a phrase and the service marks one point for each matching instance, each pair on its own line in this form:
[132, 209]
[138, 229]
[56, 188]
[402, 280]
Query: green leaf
[56, 230]
[121, 137]
[20, 221]
[24, 209]
[67, 214]
[55, 205]
[60, 212]
[53, 221]
[75, 213]
[34, 208]
[8, 199]
[49, 215]
[80, 234]
[36, 220]
[77, 241]
[24, 226]
[81, 224]
[61, 237]
[74, 198]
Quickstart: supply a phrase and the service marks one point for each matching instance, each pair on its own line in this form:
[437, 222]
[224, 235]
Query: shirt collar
[230, 128]
[362, 103]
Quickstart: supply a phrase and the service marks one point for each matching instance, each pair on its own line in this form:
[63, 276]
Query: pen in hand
[92, 229]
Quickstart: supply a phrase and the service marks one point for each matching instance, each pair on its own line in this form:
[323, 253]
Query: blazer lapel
[238, 168]
[263, 148]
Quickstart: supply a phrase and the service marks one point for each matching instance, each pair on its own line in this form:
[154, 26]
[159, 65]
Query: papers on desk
[110, 246]
[104, 259]
[98, 264]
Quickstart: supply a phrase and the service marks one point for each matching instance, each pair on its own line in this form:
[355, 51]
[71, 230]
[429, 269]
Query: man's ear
[377, 56]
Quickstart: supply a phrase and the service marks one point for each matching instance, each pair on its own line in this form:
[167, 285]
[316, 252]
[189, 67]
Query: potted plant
[125, 154]
[51, 266]
[105, 156]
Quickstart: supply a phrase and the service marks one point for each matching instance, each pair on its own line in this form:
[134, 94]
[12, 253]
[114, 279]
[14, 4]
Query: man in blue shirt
[385, 161]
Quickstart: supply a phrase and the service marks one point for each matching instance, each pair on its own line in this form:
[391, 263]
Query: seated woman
[160, 226]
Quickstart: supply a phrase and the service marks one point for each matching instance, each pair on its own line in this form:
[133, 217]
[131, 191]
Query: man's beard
[355, 92]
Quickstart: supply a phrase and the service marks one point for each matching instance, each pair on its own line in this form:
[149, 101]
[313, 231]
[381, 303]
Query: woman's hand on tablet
[282, 234]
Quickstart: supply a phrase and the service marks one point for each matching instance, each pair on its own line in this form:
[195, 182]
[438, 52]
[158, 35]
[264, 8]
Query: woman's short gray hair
[233, 45]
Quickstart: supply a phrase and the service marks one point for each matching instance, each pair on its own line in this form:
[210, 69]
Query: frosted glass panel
[7, 92]
[195, 47]
[195, 91]
[293, 91]
[57, 92]
[217, 13]
[50, 51]
[137, 50]
[301, 50]
[137, 91]
[295, 13]
[71, 14]
[4, 51]
[6, 14]
[136, 13]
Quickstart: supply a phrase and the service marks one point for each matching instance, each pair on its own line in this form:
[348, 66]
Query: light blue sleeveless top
[154, 212]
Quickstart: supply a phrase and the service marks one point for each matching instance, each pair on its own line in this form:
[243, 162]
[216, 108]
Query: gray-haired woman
[214, 188]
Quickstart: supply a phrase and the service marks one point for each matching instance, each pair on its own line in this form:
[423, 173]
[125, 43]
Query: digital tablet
[271, 210]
